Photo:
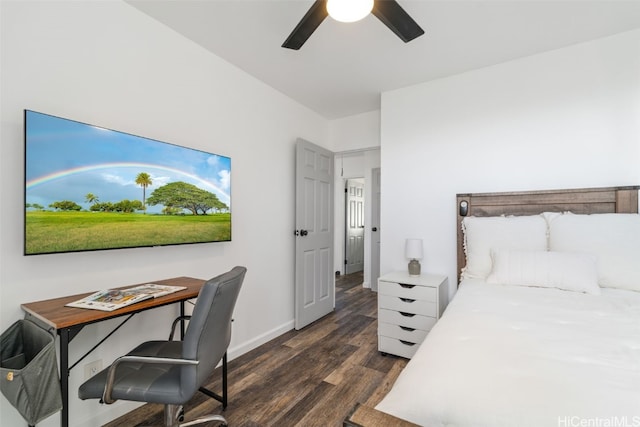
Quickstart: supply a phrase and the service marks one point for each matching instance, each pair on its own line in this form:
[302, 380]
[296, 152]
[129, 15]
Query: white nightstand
[408, 307]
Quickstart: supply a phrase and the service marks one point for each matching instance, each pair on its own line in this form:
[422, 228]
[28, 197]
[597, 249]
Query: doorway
[358, 181]
[354, 225]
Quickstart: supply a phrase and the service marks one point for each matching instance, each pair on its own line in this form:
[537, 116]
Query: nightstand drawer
[408, 291]
[408, 305]
[406, 319]
[398, 347]
[402, 332]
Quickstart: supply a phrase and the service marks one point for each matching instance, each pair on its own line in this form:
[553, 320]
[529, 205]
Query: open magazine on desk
[113, 299]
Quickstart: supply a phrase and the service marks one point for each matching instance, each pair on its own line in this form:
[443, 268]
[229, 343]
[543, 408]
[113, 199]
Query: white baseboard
[246, 347]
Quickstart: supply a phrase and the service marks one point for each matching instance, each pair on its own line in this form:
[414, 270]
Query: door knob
[303, 232]
[374, 229]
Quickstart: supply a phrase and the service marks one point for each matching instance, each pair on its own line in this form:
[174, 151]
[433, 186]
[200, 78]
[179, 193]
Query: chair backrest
[209, 331]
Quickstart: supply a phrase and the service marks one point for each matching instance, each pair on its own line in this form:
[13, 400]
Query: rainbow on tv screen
[90, 188]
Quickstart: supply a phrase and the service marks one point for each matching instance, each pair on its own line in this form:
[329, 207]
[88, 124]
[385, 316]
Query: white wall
[107, 64]
[562, 119]
[355, 132]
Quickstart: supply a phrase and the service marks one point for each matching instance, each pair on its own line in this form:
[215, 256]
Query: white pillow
[613, 238]
[511, 232]
[562, 270]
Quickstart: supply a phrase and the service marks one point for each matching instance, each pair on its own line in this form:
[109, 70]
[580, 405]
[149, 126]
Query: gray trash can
[29, 371]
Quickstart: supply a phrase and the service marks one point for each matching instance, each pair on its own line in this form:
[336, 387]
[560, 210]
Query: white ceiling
[343, 68]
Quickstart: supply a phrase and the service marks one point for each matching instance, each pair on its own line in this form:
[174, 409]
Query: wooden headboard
[579, 201]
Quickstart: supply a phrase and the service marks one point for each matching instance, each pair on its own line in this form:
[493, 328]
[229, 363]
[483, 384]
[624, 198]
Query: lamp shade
[349, 10]
[413, 249]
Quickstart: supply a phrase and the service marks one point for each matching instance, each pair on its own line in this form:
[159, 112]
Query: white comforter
[517, 356]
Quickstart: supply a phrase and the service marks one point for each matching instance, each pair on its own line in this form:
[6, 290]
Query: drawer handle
[406, 328]
[407, 300]
[407, 343]
[404, 285]
[402, 313]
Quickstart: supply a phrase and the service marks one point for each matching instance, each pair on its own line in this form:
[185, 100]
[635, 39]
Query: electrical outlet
[90, 369]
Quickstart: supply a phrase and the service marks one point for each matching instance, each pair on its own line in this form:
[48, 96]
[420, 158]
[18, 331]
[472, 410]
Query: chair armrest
[175, 323]
[111, 373]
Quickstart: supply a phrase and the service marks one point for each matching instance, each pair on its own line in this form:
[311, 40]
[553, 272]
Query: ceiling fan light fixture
[349, 10]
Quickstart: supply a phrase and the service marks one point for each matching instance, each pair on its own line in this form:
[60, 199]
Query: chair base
[207, 419]
[174, 413]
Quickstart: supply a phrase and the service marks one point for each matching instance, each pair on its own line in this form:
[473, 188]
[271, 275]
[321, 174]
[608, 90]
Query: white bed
[521, 356]
[535, 349]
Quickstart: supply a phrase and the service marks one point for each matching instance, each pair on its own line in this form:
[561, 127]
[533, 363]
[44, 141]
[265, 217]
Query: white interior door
[314, 279]
[354, 241]
[375, 228]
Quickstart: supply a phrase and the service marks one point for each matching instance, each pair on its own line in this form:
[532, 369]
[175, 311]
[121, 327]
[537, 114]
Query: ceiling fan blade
[307, 25]
[394, 16]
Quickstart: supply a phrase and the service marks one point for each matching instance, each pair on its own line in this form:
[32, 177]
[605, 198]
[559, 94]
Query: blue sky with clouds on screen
[66, 160]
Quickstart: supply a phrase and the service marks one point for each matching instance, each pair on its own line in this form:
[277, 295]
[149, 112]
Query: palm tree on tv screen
[91, 198]
[144, 180]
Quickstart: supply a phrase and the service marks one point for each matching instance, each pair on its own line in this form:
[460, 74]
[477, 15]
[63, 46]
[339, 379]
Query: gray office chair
[170, 372]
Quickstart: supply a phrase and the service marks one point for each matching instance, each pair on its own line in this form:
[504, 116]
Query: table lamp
[413, 251]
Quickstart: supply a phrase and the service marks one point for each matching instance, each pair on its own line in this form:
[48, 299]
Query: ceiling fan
[388, 11]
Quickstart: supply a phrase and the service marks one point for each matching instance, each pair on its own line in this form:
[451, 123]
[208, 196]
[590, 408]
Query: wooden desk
[69, 321]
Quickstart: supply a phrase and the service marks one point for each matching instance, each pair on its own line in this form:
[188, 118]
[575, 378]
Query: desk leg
[224, 381]
[182, 314]
[64, 375]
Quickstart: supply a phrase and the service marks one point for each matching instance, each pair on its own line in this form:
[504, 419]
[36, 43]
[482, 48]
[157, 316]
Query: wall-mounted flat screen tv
[89, 188]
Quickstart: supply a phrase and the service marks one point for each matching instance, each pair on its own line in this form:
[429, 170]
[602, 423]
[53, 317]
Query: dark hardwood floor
[311, 377]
